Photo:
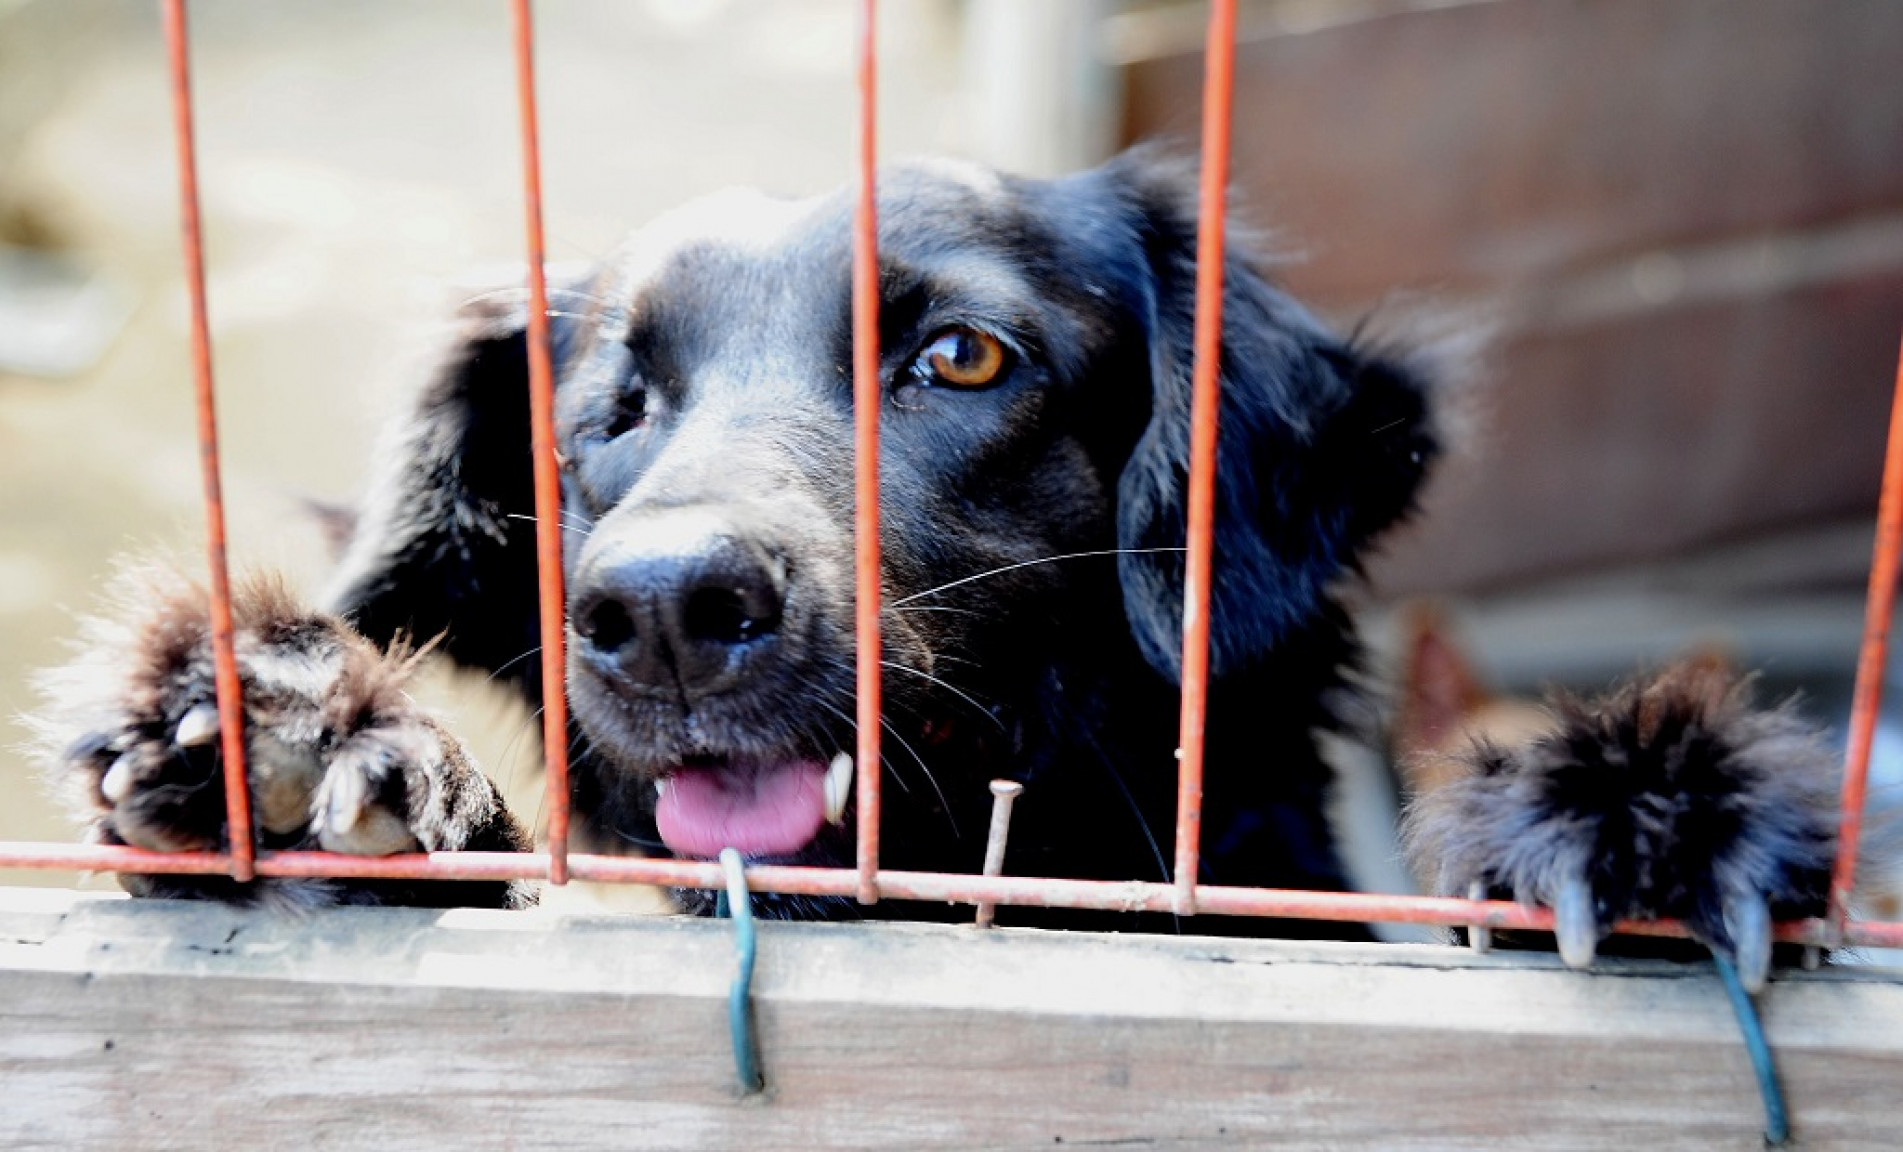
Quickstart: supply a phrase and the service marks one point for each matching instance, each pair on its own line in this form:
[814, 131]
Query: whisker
[530, 723]
[929, 778]
[952, 688]
[553, 292]
[512, 662]
[510, 764]
[948, 658]
[854, 725]
[1143, 823]
[638, 841]
[566, 527]
[925, 769]
[1028, 564]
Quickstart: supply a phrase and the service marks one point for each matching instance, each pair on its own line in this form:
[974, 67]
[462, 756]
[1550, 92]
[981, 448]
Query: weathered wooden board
[1453, 145]
[146, 1025]
[1685, 219]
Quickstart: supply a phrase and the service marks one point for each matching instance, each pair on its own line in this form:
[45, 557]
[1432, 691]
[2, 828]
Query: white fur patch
[744, 219]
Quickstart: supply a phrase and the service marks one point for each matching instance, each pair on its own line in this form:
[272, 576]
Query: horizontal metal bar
[932, 887]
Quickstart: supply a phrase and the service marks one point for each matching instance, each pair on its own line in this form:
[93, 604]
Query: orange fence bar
[548, 483]
[867, 882]
[1871, 660]
[231, 731]
[931, 887]
[1219, 66]
[866, 397]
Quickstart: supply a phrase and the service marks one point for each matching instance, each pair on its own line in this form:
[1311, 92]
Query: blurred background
[1680, 220]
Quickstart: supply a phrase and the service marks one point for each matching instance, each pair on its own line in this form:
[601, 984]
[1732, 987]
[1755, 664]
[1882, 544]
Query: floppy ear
[1322, 444]
[444, 543]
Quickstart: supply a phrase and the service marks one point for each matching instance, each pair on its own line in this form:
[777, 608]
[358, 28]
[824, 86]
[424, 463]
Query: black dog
[1035, 340]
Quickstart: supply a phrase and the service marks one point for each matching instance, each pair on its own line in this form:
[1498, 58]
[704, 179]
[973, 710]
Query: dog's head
[1035, 343]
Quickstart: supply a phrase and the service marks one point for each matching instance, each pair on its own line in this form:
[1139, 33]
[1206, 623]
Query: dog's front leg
[339, 756]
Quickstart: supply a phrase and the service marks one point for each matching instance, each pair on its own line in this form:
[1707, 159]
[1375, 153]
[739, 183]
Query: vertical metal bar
[224, 652]
[1871, 661]
[866, 395]
[548, 490]
[1219, 62]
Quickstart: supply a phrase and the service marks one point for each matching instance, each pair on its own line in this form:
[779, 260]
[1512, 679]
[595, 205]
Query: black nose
[678, 601]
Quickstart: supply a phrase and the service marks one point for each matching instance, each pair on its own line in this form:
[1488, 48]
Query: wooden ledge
[149, 1024]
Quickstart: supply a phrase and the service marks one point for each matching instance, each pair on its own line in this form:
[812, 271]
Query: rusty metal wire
[867, 882]
[935, 887]
[548, 483]
[223, 647]
[1871, 661]
[866, 396]
[1219, 65]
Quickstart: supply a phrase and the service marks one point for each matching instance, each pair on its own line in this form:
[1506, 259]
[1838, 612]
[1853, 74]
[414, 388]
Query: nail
[1003, 792]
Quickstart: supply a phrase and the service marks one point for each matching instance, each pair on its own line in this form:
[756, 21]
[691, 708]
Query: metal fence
[867, 881]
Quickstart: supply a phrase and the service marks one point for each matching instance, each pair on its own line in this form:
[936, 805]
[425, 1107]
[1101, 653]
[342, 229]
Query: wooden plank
[1685, 217]
[148, 1025]
[1689, 423]
[1476, 144]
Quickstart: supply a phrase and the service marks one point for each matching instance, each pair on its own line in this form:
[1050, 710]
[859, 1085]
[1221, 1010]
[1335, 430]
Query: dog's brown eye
[964, 358]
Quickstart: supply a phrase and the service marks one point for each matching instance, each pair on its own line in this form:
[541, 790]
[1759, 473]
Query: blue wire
[738, 903]
[1777, 1125]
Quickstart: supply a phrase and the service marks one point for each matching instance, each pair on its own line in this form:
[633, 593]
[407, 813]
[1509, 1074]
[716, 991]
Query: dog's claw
[349, 794]
[1574, 923]
[198, 727]
[116, 784]
[1748, 921]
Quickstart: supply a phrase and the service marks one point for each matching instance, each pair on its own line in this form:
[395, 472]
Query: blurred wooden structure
[1684, 216]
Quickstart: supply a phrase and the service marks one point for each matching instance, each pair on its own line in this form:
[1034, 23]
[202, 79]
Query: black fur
[1032, 568]
[1669, 796]
[1061, 673]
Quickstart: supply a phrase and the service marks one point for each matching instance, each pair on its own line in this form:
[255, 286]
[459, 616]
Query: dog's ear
[1322, 444]
[444, 543]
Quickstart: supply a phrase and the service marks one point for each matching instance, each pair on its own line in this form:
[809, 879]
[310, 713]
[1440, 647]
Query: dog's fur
[1672, 795]
[1032, 538]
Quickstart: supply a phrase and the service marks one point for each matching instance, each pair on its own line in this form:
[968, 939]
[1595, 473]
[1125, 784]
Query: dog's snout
[679, 601]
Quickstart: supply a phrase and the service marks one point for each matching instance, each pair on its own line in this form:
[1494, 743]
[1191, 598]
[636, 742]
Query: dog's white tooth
[838, 787]
[660, 787]
[117, 781]
[197, 727]
[1574, 923]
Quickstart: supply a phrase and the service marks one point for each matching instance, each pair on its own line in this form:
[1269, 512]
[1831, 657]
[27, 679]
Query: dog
[1035, 343]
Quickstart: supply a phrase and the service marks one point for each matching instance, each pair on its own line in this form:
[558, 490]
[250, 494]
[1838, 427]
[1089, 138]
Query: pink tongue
[776, 810]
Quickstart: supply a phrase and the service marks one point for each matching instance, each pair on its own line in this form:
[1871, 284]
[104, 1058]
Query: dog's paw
[1673, 797]
[338, 757]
